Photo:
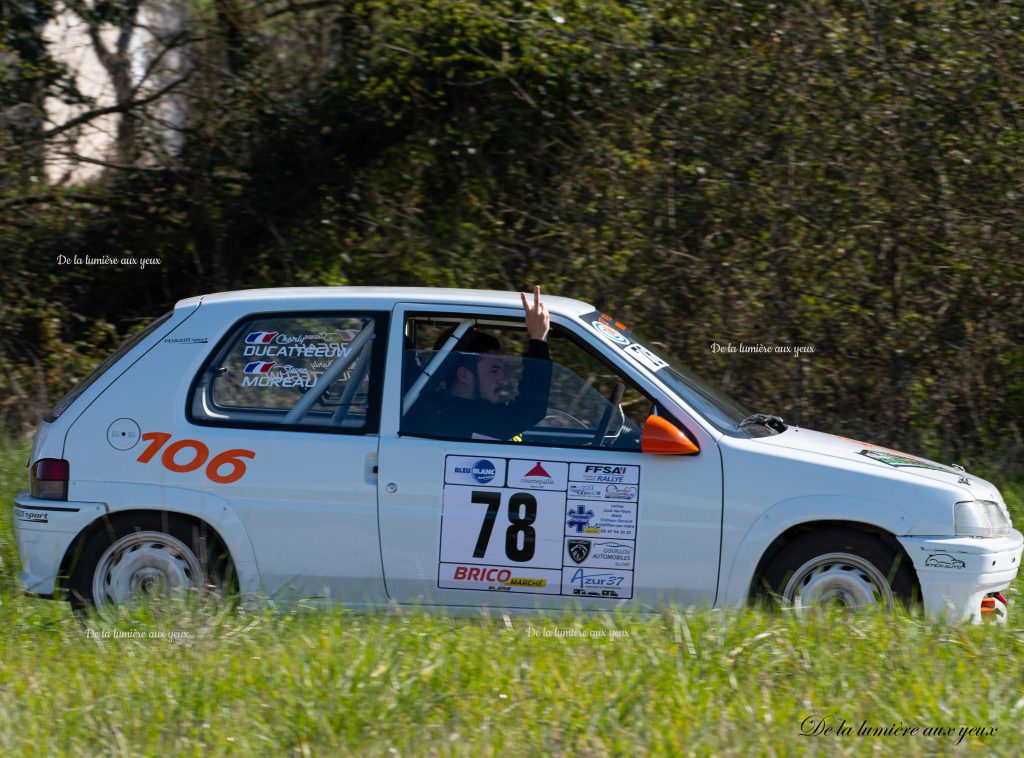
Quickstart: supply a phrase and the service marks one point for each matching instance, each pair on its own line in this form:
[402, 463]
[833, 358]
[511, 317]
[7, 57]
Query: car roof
[387, 297]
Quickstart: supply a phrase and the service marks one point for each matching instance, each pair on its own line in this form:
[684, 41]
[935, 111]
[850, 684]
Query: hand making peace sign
[537, 320]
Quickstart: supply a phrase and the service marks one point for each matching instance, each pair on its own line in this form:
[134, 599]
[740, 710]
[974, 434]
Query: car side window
[483, 379]
[303, 371]
[587, 392]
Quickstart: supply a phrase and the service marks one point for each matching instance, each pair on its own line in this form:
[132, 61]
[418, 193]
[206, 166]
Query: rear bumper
[44, 530]
[956, 573]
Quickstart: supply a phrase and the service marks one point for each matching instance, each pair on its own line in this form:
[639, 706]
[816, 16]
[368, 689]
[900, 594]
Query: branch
[117, 65]
[503, 68]
[178, 40]
[300, 7]
[121, 108]
[111, 164]
[84, 12]
[52, 197]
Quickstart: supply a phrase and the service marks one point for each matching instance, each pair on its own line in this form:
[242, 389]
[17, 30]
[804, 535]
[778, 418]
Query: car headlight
[980, 518]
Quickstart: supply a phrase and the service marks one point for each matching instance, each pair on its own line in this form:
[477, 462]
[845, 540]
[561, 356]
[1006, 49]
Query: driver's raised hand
[538, 323]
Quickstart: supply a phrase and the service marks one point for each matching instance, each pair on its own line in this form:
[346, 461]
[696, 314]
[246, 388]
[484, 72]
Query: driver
[471, 406]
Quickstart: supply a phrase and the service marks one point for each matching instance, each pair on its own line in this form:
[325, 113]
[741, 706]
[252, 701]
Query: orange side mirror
[662, 436]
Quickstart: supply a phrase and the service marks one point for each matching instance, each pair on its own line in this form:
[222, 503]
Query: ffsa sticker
[536, 526]
[604, 473]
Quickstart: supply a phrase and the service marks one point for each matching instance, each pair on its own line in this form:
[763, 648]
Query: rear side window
[65, 402]
[296, 371]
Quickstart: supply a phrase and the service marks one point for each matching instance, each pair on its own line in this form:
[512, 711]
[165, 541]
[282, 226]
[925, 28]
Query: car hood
[877, 457]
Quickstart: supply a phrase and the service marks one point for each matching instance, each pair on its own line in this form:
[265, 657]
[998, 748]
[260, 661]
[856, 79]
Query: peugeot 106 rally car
[294, 443]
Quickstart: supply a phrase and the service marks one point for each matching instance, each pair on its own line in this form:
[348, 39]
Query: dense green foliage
[846, 175]
[177, 680]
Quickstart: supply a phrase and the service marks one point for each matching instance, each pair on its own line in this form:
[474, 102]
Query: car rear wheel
[839, 568]
[136, 557]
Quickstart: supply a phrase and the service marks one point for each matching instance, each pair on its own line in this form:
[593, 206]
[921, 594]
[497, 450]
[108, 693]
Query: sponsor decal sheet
[536, 526]
[320, 349]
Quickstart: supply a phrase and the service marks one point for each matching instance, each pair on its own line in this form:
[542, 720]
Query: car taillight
[50, 479]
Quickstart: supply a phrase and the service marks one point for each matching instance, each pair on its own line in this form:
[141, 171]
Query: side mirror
[662, 437]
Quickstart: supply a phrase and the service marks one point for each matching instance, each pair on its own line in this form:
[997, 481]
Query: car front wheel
[843, 568]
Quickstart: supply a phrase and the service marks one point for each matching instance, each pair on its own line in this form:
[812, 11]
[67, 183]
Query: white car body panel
[360, 517]
[684, 523]
[955, 573]
[305, 502]
[44, 530]
[803, 476]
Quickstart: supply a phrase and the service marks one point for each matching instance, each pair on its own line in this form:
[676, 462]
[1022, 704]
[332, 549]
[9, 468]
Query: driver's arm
[531, 403]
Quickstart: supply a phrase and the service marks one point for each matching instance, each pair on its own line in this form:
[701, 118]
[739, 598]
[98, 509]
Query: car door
[295, 397]
[562, 514]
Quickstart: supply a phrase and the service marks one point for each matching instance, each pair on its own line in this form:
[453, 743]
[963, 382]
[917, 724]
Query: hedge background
[847, 175]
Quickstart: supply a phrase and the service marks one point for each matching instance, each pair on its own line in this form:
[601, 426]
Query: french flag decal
[259, 367]
[260, 338]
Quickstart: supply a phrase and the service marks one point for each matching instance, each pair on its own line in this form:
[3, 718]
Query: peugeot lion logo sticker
[579, 550]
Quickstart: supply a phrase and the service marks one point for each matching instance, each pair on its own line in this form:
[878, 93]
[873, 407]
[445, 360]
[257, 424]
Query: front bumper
[44, 530]
[956, 573]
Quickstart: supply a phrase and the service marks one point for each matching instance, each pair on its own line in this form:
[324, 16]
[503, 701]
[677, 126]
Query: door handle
[370, 468]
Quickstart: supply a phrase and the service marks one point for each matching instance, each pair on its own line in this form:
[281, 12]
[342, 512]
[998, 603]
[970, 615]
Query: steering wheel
[606, 419]
[574, 423]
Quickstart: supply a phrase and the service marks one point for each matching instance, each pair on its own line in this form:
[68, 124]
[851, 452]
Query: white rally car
[315, 443]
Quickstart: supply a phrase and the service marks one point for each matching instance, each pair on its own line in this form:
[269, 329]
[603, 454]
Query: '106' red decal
[200, 453]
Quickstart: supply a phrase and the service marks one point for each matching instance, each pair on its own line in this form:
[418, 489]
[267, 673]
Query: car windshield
[724, 413]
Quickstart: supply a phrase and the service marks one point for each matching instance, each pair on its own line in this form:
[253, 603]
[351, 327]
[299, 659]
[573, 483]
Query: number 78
[519, 523]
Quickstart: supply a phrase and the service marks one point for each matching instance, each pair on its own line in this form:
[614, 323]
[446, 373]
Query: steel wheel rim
[841, 579]
[144, 564]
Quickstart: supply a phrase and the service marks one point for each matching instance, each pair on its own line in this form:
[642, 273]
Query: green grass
[214, 681]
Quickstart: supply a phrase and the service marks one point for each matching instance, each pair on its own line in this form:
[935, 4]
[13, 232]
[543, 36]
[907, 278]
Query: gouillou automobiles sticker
[535, 526]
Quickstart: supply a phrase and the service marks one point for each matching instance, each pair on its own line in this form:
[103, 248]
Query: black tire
[216, 568]
[841, 566]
